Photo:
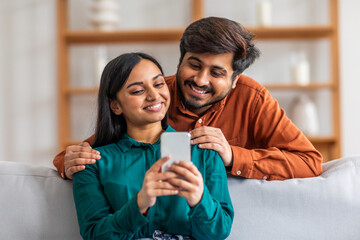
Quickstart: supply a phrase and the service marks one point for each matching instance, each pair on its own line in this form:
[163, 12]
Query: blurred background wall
[28, 90]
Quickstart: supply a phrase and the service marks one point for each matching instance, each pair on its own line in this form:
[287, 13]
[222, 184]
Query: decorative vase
[100, 61]
[301, 69]
[264, 13]
[104, 15]
[304, 115]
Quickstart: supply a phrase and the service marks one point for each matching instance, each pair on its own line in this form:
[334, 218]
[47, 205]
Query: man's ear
[235, 81]
[115, 107]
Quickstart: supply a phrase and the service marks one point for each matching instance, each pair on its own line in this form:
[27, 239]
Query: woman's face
[144, 98]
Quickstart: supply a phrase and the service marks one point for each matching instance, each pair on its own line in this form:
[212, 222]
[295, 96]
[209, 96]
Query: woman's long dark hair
[109, 126]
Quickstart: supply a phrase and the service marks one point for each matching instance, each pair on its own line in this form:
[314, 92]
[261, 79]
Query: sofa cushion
[35, 203]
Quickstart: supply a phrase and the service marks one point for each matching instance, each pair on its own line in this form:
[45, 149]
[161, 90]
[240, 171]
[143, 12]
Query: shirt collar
[126, 142]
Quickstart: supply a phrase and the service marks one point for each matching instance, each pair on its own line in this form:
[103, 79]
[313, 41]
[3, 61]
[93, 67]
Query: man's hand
[213, 138]
[190, 183]
[76, 156]
[155, 184]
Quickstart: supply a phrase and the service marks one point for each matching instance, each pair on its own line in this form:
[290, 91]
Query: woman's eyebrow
[159, 75]
[141, 83]
[135, 83]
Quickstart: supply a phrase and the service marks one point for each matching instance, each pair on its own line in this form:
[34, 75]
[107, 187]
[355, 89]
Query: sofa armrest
[35, 203]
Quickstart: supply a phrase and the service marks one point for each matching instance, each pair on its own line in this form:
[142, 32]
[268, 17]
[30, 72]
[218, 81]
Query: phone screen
[177, 146]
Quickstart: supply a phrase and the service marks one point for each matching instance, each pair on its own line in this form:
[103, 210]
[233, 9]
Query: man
[224, 110]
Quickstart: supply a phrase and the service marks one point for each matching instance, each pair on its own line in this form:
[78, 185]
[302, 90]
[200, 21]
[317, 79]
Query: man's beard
[192, 104]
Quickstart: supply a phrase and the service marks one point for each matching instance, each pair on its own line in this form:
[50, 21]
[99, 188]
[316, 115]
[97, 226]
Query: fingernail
[192, 142]
[93, 161]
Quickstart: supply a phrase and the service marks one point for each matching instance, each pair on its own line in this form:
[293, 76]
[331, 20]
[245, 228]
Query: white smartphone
[177, 146]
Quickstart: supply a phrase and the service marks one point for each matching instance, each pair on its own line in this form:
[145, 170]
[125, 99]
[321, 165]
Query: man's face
[204, 79]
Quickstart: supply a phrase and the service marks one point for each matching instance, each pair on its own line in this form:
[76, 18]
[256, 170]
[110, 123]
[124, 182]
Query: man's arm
[281, 150]
[74, 158]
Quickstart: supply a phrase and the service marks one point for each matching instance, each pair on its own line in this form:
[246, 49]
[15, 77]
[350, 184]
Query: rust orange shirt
[264, 141]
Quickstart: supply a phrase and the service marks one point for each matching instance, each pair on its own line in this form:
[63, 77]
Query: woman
[125, 195]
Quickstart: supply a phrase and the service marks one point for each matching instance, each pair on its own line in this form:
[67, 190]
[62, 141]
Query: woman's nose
[152, 95]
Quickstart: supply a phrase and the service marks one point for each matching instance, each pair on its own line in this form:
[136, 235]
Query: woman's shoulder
[208, 162]
[207, 156]
[109, 150]
[106, 148]
[202, 151]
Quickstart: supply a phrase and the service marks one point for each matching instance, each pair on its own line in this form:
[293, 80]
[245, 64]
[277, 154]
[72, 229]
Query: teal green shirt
[105, 196]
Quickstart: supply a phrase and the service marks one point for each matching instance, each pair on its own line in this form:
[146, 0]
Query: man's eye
[194, 66]
[216, 74]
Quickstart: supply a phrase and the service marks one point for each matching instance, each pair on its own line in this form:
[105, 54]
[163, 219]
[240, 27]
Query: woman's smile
[156, 107]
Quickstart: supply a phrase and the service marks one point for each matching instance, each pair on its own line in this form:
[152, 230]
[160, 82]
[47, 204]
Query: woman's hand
[155, 184]
[190, 182]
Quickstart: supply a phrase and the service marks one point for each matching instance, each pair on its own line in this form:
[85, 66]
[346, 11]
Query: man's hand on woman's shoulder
[77, 156]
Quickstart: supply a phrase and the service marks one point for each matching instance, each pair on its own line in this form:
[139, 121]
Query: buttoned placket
[200, 122]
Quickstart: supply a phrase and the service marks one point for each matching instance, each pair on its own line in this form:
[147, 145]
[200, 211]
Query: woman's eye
[159, 85]
[138, 92]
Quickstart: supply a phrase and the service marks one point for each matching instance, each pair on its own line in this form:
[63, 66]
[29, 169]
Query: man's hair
[217, 36]
[109, 126]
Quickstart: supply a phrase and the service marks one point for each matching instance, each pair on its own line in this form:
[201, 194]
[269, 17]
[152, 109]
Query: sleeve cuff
[242, 162]
[205, 209]
[59, 164]
[136, 220]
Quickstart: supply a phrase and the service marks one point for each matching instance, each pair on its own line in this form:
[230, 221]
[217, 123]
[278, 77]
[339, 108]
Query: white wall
[350, 75]
[28, 81]
[28, 72]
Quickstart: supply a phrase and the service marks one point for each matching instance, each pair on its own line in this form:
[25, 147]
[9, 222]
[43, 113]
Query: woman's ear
[115, 107]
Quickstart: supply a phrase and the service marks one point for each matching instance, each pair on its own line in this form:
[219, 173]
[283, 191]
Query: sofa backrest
[324, 207]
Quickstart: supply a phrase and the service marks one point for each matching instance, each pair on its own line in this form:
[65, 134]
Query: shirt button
[200, 120]
[265, 177]
[238, 172]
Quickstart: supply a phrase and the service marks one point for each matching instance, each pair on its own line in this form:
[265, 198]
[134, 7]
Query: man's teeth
[198, 91]
[155, 106]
